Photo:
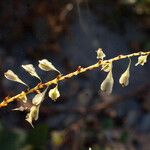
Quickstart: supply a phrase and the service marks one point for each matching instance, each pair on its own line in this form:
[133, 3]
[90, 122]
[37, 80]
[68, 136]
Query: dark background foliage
[68, 32]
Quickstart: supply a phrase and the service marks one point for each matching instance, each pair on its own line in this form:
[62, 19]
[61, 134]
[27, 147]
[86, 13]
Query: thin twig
[59, 78]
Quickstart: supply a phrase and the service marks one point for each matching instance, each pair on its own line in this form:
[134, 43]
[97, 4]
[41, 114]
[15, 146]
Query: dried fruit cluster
[106, 86]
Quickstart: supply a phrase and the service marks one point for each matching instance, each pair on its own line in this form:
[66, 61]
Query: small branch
[59, 78]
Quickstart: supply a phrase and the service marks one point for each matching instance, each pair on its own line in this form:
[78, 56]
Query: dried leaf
[38, 99]
[10, 75]
[31, 70]
[124, 79]
[33, 114]
[141, 60]
[46, 65]
[100, 54]
[54, 93]
[107, 84]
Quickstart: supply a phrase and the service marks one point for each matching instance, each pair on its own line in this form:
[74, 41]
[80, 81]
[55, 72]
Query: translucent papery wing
[54, 93]
[23, 97]
[33, 114]
[45, 65]
[38, 98]
[107, 84]
[107, 66]
[21, 108]
[124, 78]
[10, 75]
[31, 70]
[141, 60]
[100, 54]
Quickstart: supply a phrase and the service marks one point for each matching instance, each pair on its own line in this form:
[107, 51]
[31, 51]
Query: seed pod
[33, 114]
[107, 66]
[100, 54]
[31, 70]
[23, 97]
[54, 93]
[46, 65]
[107, 84]
[38, 98]
[124, 79]
[10, 75]
[21, 108]
[141, 60]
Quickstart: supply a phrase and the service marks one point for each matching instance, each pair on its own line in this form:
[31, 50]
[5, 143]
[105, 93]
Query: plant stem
[79, 70]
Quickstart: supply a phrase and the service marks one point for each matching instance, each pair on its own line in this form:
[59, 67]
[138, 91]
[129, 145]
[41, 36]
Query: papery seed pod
[34, 111]
[141, 60]
[38, 98]
[45, 65]
[100, 54]
[54, 93]
[21, 108]
[107, 84]
[31, 70]
[10, 75]
[33, 114]
[107, 66]
[23, 97]
[124, 79]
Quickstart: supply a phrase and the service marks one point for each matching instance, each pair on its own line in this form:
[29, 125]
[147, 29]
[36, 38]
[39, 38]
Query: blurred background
[68, 32]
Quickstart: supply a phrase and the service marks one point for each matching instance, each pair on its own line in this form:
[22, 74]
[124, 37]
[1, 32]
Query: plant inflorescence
[42, 88]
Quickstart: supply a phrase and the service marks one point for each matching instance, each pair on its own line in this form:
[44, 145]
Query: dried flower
[107, 84]
[54, 93]
[31, 70]
[124, 79]
[45, 65]
[10, 75]
[141, 60]
[100, 54]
